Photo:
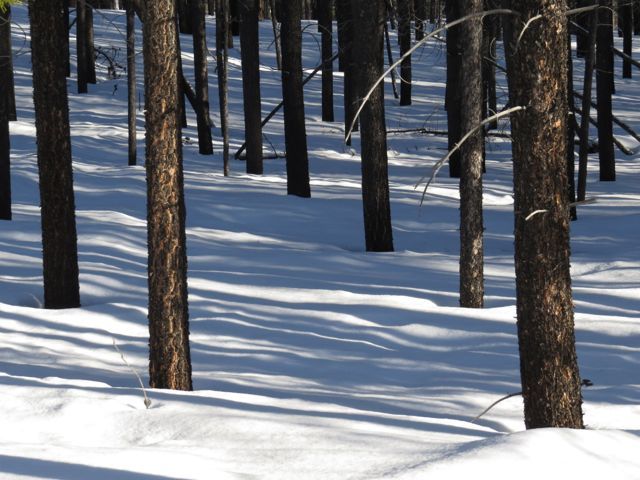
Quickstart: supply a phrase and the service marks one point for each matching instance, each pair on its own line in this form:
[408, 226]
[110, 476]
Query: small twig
[147, 401]
[534, 213]
[494, 404]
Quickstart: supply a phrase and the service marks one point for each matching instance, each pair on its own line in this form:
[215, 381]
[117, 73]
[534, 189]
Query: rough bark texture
[7, 83]
[169, 358]
[131, 82]
[471, 223]
[249, 43]
[404, 37]
[548, 361]
[201, 71]
[222, 27]
[59, 240]
[604, 88]
[292, 93]
[369, 39]
[452, 99]
[325, 25]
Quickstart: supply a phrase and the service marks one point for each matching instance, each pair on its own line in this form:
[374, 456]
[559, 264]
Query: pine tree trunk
[325, 24]
[452, 99]
[548, 361]
[91, 53]
[571, 134]
[345, 19]
[471, 223]
[404, 37]
[369, 37]
[131, 82]
[604, 84]
[5, 147]
[6, 66]
[205, 145]
[626, 18]
[169, 357]
[222, 27]
[59, 240]
[421, 18]
[276, 39]
[249, 43]
[292, 93]
[81, 46]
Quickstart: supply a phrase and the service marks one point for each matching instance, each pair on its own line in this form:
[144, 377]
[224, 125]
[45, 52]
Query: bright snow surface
[312, 359]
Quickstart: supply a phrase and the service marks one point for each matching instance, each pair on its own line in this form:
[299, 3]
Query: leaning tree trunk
[59, 239]
[369, 37]
[471, 223]
[548, 360]
[295, 133]
[169, 357]
[197, 23]
[131, 82]
[250, 45]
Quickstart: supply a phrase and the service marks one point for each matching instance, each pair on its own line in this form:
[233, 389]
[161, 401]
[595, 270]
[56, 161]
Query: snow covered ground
[312, 359]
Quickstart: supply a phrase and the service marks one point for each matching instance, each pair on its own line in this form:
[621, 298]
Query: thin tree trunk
[345, 19]
[249, 43]
[5, 147]
[169, 356]
[81, 46]
[604, 83]
[6, 64]
[369, 35]
[626, 18]
[91, 53]
[276, 36]
[59, 239]
[390, 59]
[421, 18]
[548, 360]
[471, 222]
[452, 100]
[222, 27]
[325, 24]
[198, 26]
[131, 81]
[292, 93]
[404, 37]
[571, 131]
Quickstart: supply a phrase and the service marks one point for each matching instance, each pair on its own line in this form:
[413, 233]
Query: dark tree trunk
[471, 223]
[325, 24]
[626, 18]
[604, 83]
[421, 18]
[276, 39]
[548, 361]
[6, 65]
[452, 99]
[222, 27]
[292, 93]
[131, 82]
[185, 16]
[636, 18]
[342, 20]
[234, 17]
[91, 53]
[369, 37]
[67, 59]
[169, 357]
[181, 90]
[404, 37]
[249, 43]
[5, 147]
[82, 47]
[345, 18]
[489, 37]
[205, 146]
[59, 240]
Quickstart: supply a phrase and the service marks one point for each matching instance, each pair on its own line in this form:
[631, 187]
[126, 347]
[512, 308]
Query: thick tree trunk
[404, 37]
[471, 223]
[452, 100]
[249, 43]
[604, 84]
[548, 361]
[292, 93]
[369, 37]
[6, 65]
[325, 24]
[222, 27]
[169, 357]
[59, 240]
[205, 146]
[131, 82]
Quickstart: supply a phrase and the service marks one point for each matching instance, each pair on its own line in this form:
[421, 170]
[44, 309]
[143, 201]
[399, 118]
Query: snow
[312, 359]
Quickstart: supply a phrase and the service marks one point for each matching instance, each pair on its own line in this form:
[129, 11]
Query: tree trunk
[5, 147]
[421, 18]
[471, 223]
[91, 53]
[131, 82]
[205, 146]
[571, 134]
[604, 83]
[345, 19]
[452, 100]
[325, 24]
[404, 37]
[59, 240]
[276, 38]
[626, 18]
[249, 43]
[222, 27]
[292, 93]
[81, 46]
[369, 36]
[6, 66]
[169, 357]
[548, 361]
